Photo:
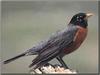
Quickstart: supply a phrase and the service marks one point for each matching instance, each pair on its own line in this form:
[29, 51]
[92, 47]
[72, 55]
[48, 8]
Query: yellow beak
[89, 15]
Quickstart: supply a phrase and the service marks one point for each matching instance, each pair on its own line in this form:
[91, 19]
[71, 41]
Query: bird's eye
[79, 18]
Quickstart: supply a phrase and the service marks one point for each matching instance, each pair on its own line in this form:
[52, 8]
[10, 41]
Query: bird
[60, 43]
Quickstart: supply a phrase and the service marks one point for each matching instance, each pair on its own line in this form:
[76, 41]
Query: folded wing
[54, 46]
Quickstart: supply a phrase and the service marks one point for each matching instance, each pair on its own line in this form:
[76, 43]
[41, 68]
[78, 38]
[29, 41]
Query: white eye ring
[77, 17]
[80, 16]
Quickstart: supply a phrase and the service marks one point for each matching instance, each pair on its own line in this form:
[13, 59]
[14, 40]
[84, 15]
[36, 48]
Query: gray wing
[54, 45]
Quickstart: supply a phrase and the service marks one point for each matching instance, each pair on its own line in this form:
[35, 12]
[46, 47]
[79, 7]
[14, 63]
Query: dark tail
[14, 58]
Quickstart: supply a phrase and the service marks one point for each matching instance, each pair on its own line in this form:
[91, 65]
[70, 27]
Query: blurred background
[26, 23]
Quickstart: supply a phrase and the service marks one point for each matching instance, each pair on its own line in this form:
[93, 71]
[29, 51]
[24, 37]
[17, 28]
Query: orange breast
[78, 39]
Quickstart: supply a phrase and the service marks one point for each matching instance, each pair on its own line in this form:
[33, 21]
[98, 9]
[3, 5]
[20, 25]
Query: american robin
[59, 44]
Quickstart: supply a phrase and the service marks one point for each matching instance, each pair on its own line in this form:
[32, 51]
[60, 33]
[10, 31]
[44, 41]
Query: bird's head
[81, 19]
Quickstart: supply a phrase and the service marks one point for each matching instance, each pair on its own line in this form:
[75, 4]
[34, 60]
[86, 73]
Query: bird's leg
[62, 62]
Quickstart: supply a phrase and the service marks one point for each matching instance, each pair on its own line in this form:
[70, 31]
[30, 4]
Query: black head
[80, 19]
